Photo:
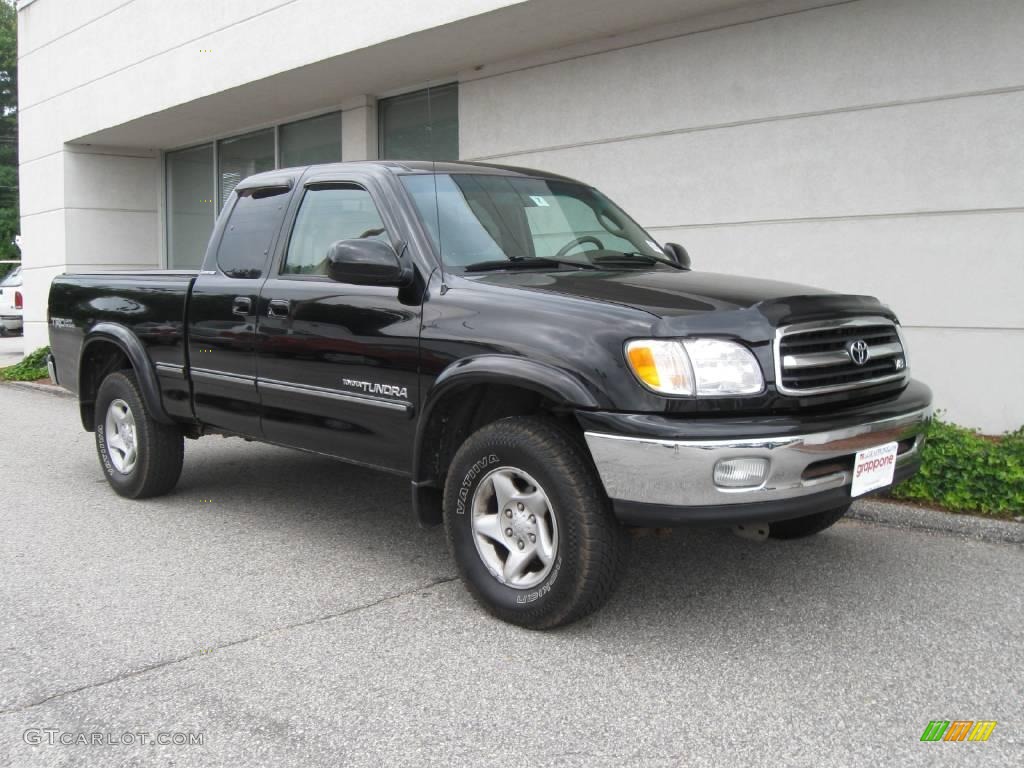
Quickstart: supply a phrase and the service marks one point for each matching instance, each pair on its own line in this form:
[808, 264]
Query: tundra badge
[372, 388]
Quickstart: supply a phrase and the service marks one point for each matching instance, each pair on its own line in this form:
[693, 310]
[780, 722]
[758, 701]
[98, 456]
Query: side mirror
[365, 262]
[678, 254]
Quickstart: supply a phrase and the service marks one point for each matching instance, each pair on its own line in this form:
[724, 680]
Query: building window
[423, 125]
[420, 126]
[307, 142]
[190, 205]
[241, 157]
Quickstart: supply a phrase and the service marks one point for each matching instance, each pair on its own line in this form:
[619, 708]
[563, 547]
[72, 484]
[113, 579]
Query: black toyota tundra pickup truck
[541, 370]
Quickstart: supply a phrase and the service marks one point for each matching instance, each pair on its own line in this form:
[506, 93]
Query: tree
[10, 218]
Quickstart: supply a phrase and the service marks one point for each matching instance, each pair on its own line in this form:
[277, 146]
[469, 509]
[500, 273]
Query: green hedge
[33, 367]
[964, 471]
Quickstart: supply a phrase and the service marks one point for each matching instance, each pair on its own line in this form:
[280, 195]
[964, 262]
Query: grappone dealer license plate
[873, 468]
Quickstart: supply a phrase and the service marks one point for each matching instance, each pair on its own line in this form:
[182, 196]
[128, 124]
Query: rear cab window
[245, 246]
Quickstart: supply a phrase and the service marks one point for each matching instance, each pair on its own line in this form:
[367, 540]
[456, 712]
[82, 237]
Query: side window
[326, 215]
[245, 245]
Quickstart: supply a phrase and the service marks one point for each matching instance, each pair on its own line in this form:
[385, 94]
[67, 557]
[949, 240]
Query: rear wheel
[529, 526]
[809, 525]
[140, 456]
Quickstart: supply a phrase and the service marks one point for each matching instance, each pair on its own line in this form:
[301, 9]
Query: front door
[222, 310]
[338, 363]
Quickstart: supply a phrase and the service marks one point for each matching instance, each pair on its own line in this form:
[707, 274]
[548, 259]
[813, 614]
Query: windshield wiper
[629, 256]
[524, 262]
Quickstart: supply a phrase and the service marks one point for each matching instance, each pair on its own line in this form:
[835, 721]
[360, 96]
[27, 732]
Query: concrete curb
[50, 389]
[898, 515]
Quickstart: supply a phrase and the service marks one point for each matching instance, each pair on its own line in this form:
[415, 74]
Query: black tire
[591, 549]
[159, 447]
[801, 527]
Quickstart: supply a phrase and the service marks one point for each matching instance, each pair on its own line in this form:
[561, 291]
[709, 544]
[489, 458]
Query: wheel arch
[474, 392]
[109, 347]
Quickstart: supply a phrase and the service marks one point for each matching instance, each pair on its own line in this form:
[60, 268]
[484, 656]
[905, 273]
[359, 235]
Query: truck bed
[150, 303]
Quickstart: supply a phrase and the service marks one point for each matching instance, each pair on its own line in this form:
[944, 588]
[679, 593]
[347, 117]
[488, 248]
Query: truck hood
[669, 294]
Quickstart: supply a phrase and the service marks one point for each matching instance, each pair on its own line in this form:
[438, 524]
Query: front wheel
[140, 456]
[529, 526]
[808, 525]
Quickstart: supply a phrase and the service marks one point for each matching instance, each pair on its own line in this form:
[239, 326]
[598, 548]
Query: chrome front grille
[836, 355]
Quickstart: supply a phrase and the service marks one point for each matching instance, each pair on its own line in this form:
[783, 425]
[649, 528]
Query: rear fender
[145, 373]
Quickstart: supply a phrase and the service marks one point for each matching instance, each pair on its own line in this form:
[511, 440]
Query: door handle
[241, 305]
[279, 308]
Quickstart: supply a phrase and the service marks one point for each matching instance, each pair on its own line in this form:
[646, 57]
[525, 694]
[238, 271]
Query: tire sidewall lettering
[470, 478]
[543, 589]
[101, 443]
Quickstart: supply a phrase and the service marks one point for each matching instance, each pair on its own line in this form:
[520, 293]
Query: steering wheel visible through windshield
[487, 219]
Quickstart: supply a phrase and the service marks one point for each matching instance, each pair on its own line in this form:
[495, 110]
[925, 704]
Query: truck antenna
[437, 202]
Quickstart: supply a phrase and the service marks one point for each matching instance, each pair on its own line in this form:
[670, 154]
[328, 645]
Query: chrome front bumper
[680, 473]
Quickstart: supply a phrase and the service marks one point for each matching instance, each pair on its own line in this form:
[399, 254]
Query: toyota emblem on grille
[858, 351]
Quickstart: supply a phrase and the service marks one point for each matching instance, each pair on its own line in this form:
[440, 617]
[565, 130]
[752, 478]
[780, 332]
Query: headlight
[661, 365]
[705, 367]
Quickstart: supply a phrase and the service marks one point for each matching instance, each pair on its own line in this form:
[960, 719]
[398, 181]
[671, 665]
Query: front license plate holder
[873, 468]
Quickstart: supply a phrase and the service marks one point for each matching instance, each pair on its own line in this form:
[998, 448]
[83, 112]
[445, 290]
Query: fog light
[741, 473]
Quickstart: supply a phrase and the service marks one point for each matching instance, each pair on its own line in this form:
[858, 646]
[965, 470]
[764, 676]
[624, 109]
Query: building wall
[92, 64]
[870, 147]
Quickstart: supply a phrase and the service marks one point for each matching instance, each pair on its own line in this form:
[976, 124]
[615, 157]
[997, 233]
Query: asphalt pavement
[285, 610]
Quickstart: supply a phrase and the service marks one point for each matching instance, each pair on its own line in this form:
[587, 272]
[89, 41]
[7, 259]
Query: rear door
[222, 307]
[338, 363]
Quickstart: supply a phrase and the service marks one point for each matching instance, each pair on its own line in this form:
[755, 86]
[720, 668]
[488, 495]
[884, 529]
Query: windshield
[487, 218]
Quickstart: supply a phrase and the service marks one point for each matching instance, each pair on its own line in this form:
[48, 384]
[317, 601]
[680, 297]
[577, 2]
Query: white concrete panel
[36, 335]
[824, 59]
[41, 184]
[974, 374]
[155, 42]
[359, 133]
[111, 181]
[43, 239]
[44, 21]
[135, 31]
[961, 154]
[963, 270]
[40, 130]
[104, 237]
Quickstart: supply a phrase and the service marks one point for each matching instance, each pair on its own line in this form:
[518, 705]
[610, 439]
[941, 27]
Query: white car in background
[11, 303]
